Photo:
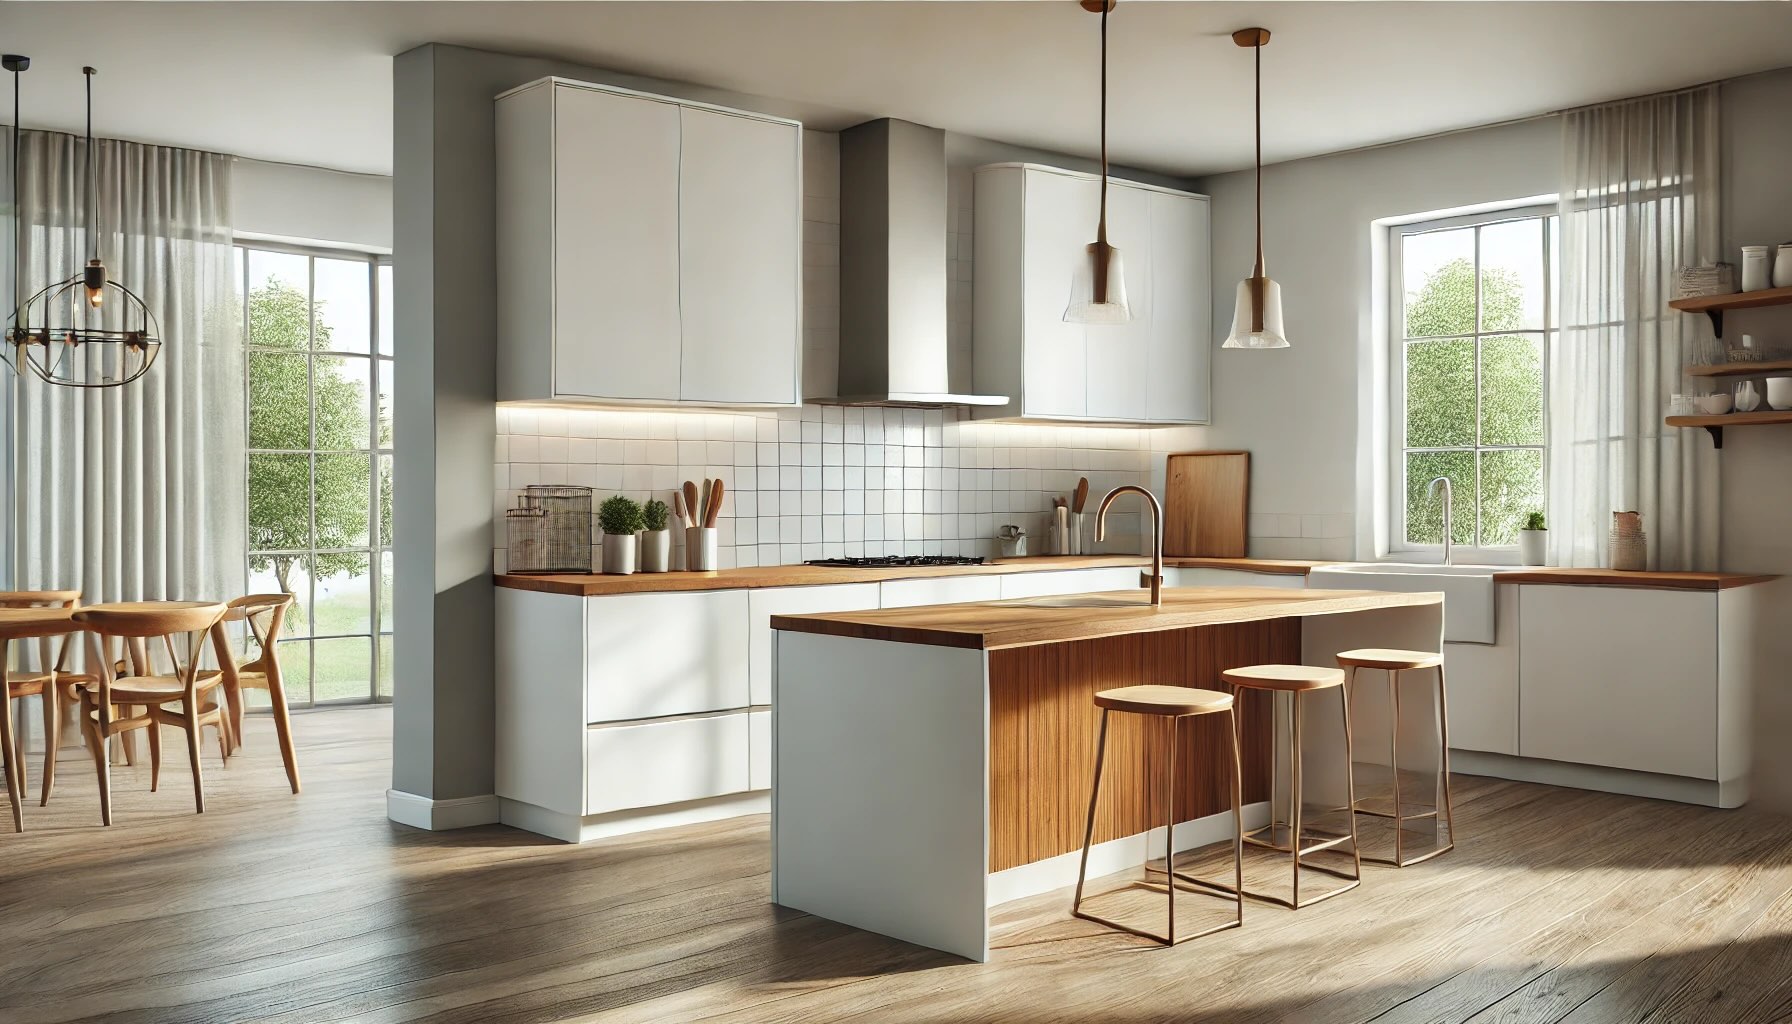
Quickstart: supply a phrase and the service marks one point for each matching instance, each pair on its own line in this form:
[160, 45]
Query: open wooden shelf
[1714, 306]
[1756, 369]
[1716, 424]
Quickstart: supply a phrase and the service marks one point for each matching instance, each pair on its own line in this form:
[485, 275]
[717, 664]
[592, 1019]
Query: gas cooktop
[895, 561]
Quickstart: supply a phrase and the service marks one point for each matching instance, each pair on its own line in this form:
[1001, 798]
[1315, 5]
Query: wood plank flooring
[1557, 905]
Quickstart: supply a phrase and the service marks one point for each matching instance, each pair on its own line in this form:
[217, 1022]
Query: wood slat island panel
[1043, 723]
[994, 625]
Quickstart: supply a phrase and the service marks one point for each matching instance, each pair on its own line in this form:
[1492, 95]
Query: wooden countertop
[581, 585]
[991, 625]
[1618, 578]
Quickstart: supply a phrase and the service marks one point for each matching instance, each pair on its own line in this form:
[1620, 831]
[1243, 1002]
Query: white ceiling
[310, 82]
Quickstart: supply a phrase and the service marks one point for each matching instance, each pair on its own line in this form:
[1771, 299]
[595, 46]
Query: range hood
[893, 269]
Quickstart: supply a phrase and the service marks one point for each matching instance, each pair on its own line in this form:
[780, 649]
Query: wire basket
[551, 531]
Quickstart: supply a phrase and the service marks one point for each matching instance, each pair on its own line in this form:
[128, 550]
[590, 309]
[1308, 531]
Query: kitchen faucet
[1155, 578]
[1449, 500]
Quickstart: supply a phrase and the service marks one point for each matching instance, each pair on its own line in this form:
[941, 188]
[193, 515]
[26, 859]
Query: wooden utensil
[715, 504]
[1082, 496]
[703, 516]
[678, 509]
[690, 502]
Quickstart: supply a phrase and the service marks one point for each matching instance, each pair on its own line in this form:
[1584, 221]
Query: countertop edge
[1698, 581]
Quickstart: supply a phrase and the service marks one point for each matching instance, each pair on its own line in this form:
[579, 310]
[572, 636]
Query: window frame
[377, 549]
[1472, 553]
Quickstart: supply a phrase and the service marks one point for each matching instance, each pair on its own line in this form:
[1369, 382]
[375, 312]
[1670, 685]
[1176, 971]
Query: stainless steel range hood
[893, 269]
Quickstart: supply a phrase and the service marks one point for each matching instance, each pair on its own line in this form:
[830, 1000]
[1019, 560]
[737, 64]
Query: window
[318, 327]
[1474, 318]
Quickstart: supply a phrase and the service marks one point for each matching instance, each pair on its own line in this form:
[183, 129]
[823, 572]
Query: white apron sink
[1467, 589]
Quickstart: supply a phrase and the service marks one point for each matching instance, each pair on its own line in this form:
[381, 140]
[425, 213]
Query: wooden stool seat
[1390, 659]
[1170, 701]
[1284, 678]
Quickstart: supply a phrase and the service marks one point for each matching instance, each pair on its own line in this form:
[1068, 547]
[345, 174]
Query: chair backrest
[44, 599]
[264, 613]
[141, 620]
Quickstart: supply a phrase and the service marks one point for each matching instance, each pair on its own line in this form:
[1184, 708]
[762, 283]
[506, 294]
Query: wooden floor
[1558, 906]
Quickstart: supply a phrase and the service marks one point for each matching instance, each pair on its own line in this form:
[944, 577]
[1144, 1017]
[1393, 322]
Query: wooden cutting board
[1206, 498]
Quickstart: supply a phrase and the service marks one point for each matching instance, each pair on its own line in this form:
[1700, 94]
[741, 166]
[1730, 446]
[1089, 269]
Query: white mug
[1779, 392]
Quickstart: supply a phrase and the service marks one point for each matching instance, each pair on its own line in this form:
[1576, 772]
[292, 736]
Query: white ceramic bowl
[1779, 392]
[1714, 405]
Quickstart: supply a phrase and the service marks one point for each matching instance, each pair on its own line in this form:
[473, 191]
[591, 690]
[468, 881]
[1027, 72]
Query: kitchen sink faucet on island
[1154, 579]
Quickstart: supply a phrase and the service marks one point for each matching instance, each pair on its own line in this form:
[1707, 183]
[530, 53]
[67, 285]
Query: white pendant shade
[1083, 308]
[1245, 333]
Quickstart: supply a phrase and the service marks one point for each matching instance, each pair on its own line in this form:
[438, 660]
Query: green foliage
[1534, 521]
[656, 514]
[1441, 407]
[620, 516]
[292, 494]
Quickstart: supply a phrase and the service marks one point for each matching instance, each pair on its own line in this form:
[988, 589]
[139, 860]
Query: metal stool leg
[1356, 848]
[1443, 732]
[1394, 764]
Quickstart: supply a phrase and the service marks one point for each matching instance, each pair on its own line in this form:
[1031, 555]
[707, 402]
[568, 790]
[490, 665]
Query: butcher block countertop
[1619, 578]
[992, 625]
[581, 585]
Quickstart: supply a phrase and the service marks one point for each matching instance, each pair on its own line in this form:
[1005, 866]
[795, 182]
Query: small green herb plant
[656, 514]
[1534, 521]
[620, 516]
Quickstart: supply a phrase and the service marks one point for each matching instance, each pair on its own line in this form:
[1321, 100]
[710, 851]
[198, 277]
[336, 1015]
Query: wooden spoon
[1082, 496]
[690, 502]
[678, 508]
[715, 504]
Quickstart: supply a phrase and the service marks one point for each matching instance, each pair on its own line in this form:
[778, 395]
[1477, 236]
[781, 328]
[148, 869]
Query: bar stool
[1394, 662]
[1174, 703]
[1297, 681]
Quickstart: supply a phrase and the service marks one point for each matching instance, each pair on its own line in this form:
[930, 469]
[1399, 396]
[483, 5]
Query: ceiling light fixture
[68, 333]
[1257, 318]
[1098, 288]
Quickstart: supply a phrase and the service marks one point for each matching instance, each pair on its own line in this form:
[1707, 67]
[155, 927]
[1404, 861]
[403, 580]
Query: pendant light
[88, 330]
[1257, 319]
[1098, 288]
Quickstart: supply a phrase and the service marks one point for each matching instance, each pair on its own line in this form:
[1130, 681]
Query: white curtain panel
[1639, 200]
[135, 492]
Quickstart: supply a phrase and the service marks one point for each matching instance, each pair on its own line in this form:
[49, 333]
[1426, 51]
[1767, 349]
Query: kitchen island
[932, 762]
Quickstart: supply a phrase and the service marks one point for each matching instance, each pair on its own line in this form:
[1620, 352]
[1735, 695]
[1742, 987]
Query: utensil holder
[1076, 533]
[700, 549]
[656, 550]
[1630, 553]
[619, 554]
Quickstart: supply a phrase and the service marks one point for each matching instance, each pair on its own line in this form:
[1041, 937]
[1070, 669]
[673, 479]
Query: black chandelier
[87, 331]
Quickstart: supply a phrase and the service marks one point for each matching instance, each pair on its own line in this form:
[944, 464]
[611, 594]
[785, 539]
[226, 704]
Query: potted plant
[656, 536]
[620, 518]
[1533, 540]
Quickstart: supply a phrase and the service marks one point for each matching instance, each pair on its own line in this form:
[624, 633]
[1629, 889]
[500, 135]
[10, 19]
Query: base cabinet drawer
[844, 597]
[666, 762]
[1200, 576]
[653, 655]
[1075, 581]
[759, 745]
[948, 590]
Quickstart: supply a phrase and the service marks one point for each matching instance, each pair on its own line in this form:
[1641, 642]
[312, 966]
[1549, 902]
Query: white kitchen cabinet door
[763, 604]
[740, 254]
[759, 750]
[654, 763]
[1619, 677]
[1201, 576]
[1118, 355]
[1182, 310]
[1075, 581]
[615, 303]
[649, 655]
[1059, 221]
[1483, 683]
[943, 590]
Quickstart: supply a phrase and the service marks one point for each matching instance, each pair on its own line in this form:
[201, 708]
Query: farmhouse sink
[1467, 589]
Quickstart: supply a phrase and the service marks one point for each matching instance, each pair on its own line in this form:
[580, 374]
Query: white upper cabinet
[1032, 225]
[649, 249]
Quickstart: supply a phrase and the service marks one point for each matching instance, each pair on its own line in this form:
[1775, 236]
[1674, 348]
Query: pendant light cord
[93, 205]
[1258, 51]
[18, 237]
[1101, 228]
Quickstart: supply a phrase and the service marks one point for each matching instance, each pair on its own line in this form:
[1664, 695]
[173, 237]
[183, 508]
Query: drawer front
[759, 747]
[651, 655]
[771, 601]
[654, 763]
[1199, 576]
[1076, 581]
[958, 590]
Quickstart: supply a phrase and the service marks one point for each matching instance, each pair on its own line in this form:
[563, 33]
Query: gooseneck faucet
[1155, 578]
[1443, 483]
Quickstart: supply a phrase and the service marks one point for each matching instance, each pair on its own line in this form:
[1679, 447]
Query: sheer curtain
[1639, 200]
[136, 492]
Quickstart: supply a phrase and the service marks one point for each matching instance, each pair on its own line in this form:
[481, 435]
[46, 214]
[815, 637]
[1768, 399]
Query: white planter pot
[1533, 546]
[656, 550]
[619, 554]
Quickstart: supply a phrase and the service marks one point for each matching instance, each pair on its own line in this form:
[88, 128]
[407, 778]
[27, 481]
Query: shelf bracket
[1717, 436]
[1717, 326]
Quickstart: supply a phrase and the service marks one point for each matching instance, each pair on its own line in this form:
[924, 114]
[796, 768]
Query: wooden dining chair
[22, 624]
[264, 614]
[50, 679]
[191, 686]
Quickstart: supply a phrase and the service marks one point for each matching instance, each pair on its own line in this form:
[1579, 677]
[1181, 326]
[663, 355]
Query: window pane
[1439, 282]
[1511, 487]
[295, 671]
[1440, 393]
[385, 403]
[340, 395]
[285, 574]
[386, 502]
[1512, 389]
[1424, 514]
[385, 591]
[279, 315]
[343, 306]
[385, 680]
[343, 669]
[279, 409]
[344, 594]
[385, 300]
[1512, 276]
[342, 497]
[279, 502]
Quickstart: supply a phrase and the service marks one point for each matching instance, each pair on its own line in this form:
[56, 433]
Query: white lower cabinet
[651, 655]
[1483, 684]
[1074, 581]
[1201, 576]
[759, 749]
[942, 590]
[763, 604]
[669, 761]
